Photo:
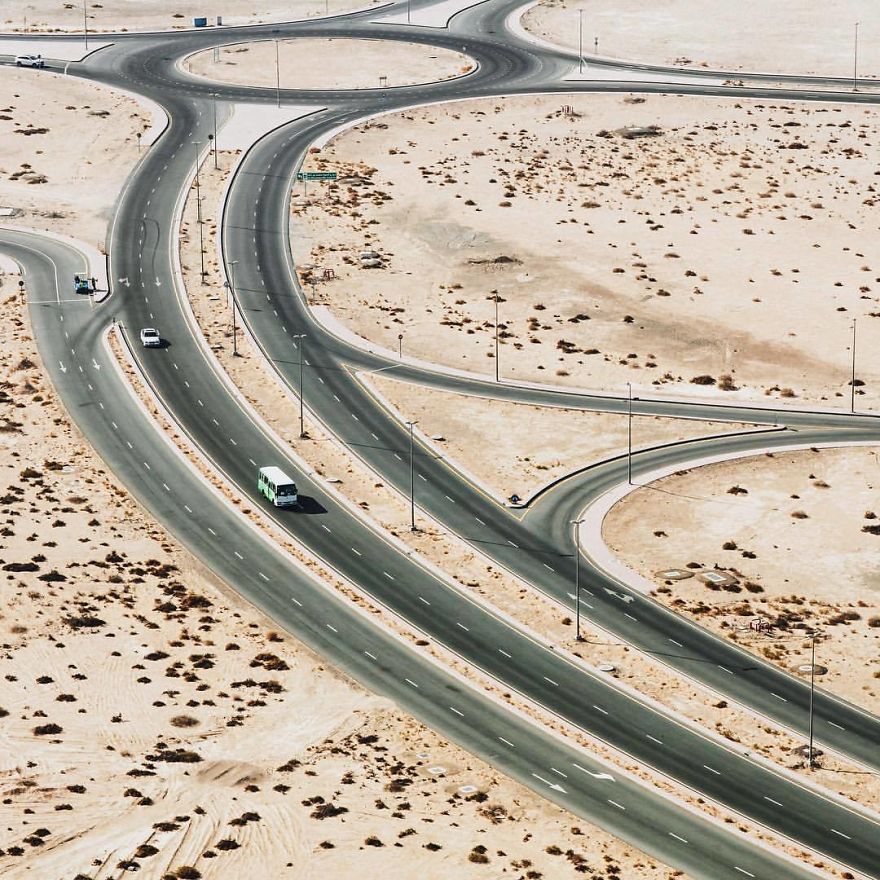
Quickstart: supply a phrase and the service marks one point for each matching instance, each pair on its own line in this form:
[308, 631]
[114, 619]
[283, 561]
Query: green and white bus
[277, 487]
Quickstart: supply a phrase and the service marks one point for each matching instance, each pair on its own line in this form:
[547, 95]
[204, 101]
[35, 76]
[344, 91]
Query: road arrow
[158, 283]
[124, 281]
[63, 368]
[552, 785]
[95, 364]
[595, 775]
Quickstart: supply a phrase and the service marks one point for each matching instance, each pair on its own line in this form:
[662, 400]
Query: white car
[150, 337]
[29, 61]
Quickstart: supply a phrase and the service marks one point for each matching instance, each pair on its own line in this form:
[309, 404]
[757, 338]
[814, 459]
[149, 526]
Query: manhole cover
[437, 771]
[606, 667]
[467, 789]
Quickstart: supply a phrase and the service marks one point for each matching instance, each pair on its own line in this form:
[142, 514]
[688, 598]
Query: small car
[150, 337]
[29, 61]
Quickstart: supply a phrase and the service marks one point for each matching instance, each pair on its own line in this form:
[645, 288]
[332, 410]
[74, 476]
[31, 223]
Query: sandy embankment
[799, 532]
[66, 147]
[148, 15]
[457, 559]
[667, 261]
[788, 36]
[314, 64]
[152, 721]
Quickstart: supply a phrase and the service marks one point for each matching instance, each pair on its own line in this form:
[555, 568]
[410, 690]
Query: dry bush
[184, 721]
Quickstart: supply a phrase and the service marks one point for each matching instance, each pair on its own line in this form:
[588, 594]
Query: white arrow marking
[95, 364]
[63, 368]
[607, 776]
[158, 283]
[552, 785]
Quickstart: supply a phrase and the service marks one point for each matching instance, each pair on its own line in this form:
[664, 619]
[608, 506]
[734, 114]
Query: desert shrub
[47, 729]
[227, 844]
[184, 721]
[703, 380]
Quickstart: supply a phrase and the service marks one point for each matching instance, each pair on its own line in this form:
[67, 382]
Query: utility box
[200, 21]
[219, 21]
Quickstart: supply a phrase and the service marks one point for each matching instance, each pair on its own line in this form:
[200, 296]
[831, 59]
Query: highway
[183, 376]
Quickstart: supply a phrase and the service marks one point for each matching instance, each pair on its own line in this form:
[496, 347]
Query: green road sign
[316, 175]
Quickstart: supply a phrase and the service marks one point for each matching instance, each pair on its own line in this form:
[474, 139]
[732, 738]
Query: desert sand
[782, 37]
[459, 560]
[150, 15]
[681, 260]
[798, 532]
[66, 147]
[309, 64]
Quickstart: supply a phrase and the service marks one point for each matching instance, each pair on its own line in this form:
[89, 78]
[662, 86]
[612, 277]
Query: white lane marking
[772, 801]
[615, 804]
[410, 681]
[147, 466]
[479, 521]
[100, 404]
[252, 462]
[232, 442]
[453, 709]
[449, 499]
[563, 775]
[725, 669]
[507, 742]
[128, 444]
[371, 656]
[625, 614]
[211, 531]
[424, 600]
[354, 550]
[711, 769]
[238, 554]
[512, 544]
[836, 725]
[654, 738]
[594, 775]
[502, 651]
[199, 401]
[397, 457]
[462, 626]
[841, 834]
[262, 576]
[680, 645]
[355, 417]
[374, 436]
[743, 871]
[324, 527]
[337, 399]
[167, 489]
[547, 567]
[320, 380]
[296, 601]
[331, 627]
[554, 683]
[673, 834]
[600, 709]
[187, 508]
[215, 421]
[778, 697]
[422, 478]
[390, 577]
[554, 785]
[174, 365]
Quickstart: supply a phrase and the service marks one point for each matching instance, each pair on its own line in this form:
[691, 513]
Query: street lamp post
[497, 353]
[629, 434]
[214, 108]
[400, 346]
[852, 381]
[580, 41]
[856, 58]
[197, 144]
[302, 356]
[412, 482]
[232, 265]
[812, 690]
[577, 579]
[85, 24]
[277, 76]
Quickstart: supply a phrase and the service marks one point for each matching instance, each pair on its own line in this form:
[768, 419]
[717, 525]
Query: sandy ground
[153, 722]
[521, 460]
[797, 530]
[146, 15]
[308, 64]
[793, 37]
[66, 147]
[678, 262]
[458, 560]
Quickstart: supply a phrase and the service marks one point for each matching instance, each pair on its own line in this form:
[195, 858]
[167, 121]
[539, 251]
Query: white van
[277, 487]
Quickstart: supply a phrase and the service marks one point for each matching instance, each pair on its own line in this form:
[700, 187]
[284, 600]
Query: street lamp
[813, 634]
[400, 346]
[580, 41]
[412, 482]
[214, 108]
[85, 25]
[852, 382]
[497, 353]
[302, 356]
[856, 58]
[629, 434]
[197, 144]
[277, 77]
[577, 579]
[232, 265]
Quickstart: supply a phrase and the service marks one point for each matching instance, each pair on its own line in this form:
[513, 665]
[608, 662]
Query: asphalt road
[70, 338]
[141, 251]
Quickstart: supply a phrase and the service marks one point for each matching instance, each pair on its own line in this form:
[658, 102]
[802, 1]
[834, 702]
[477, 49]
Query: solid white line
[743, 871]
[778, 697]
[453, 709]
[462, 626]
[673, 834]
[502, 651]
[390, 577]
[680, 645]
[600, 709]
[410, 681]
[614, 803]
[507, 742]
[563, 775]
[424, 600]
[626, 614]
[772, 801]
[554, 683]
[331, 627]
[711, 769]
[353, 550]
[547, 567]
[836, 725]
[654, 738]
[725, 669]
[846, 836]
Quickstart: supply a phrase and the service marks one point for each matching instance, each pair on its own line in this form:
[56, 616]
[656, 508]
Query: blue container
[201, 21]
